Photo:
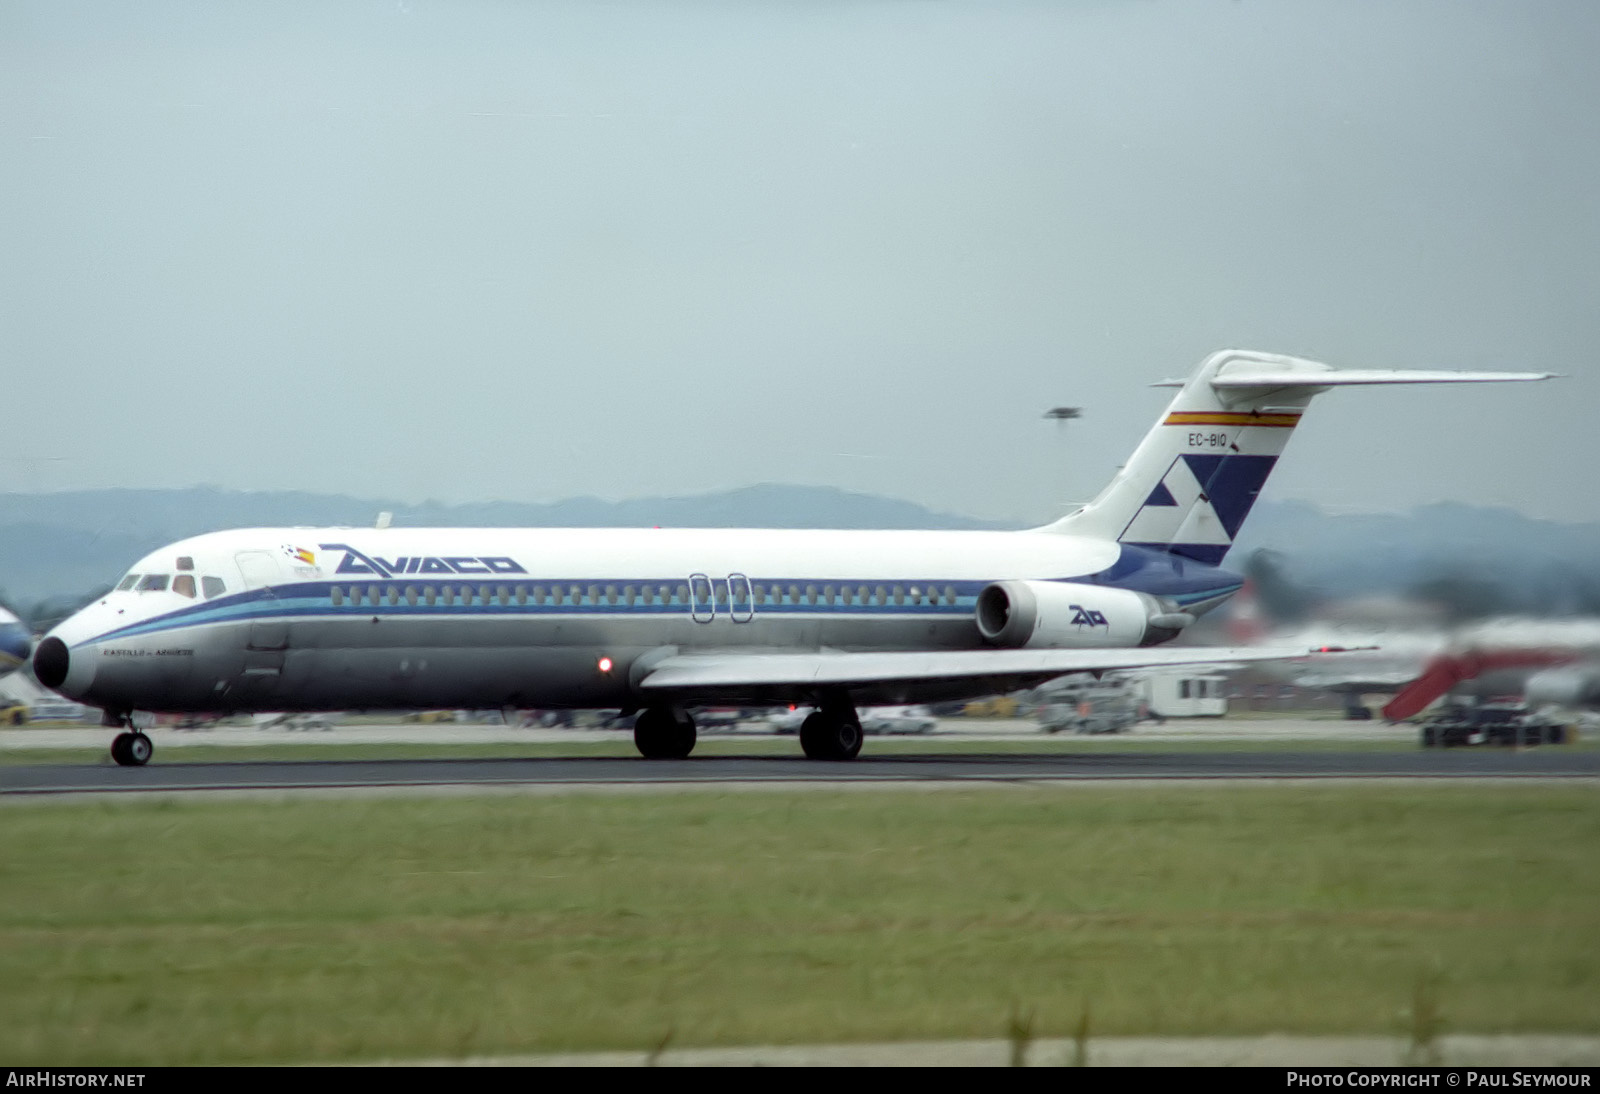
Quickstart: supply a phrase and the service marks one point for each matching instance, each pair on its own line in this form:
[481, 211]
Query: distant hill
[65, 545]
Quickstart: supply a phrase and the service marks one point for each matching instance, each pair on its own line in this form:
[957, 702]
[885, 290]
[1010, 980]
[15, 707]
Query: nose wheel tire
[132, 749]
[831, 735]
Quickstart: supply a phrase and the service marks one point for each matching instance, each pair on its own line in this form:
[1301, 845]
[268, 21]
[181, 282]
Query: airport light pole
[1061, 415]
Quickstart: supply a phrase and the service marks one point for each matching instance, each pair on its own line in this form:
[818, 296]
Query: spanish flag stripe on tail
[1225, 417]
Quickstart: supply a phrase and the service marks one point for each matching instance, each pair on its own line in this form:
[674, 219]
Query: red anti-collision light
[605, 664]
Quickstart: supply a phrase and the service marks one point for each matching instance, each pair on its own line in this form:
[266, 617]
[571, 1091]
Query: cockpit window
[183, 584]
[127, 583]
[153, 583]
[185, 562]
[213, 586]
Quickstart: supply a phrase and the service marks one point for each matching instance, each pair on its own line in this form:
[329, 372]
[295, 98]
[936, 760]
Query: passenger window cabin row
[760, 594]
[647, 595]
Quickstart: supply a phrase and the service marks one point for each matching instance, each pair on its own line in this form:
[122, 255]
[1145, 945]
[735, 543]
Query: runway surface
[710, 771]
[949, 729]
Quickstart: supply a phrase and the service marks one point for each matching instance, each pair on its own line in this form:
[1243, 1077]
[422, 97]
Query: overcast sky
[467, 251]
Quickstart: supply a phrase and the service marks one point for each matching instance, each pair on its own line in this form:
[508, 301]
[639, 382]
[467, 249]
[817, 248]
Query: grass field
[350, 929]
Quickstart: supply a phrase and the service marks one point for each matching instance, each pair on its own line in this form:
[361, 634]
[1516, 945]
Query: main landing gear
[833, 732]
[664, 733]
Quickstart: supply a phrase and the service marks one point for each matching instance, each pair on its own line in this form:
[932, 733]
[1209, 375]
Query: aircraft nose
[14, 646]
[66, 659]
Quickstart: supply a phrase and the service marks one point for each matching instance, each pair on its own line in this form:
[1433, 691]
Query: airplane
[1552, 661]
[15, 643]
[658, 621]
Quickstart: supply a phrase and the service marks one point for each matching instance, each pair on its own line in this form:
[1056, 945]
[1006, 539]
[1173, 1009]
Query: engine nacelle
[1062, 615]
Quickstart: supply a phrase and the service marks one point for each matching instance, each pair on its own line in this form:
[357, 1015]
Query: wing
[906, 677]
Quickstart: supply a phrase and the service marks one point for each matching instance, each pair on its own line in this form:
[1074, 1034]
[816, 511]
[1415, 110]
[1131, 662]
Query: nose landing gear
[130, 748]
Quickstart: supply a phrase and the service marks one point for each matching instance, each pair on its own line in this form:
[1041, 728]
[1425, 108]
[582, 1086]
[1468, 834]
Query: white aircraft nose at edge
[661, 620]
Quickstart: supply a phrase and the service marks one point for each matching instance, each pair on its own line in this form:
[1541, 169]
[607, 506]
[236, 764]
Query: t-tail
[1194, 478]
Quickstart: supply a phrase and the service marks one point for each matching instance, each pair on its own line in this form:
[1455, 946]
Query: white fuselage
[343, 618]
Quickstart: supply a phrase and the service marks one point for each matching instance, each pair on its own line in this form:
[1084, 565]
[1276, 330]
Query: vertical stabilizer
[1193, 480]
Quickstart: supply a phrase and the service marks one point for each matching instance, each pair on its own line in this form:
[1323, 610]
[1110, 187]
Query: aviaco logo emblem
[1087, 617]
[300, 555]
[354, 562]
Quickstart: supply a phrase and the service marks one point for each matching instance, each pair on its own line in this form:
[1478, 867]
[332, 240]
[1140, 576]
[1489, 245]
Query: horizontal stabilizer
[1246, 378]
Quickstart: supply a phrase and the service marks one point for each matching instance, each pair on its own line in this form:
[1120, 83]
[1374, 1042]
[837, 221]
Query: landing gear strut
[833, 732]
[664, 733]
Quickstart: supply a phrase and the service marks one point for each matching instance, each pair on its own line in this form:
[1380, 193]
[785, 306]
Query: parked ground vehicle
[912, 719]
[787, 720]
[568, 719]
[54, 710]
[714, 718]
[1494, 723]
[897, 720]
[1082, 704]
[296, 721]
[1085, 717]
[1182, 694]
[999, 706]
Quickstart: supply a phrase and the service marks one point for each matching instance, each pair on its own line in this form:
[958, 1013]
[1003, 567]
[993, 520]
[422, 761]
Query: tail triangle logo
[1202, 500]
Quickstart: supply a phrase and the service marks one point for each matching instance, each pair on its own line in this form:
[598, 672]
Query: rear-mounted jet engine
[1063, 615]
